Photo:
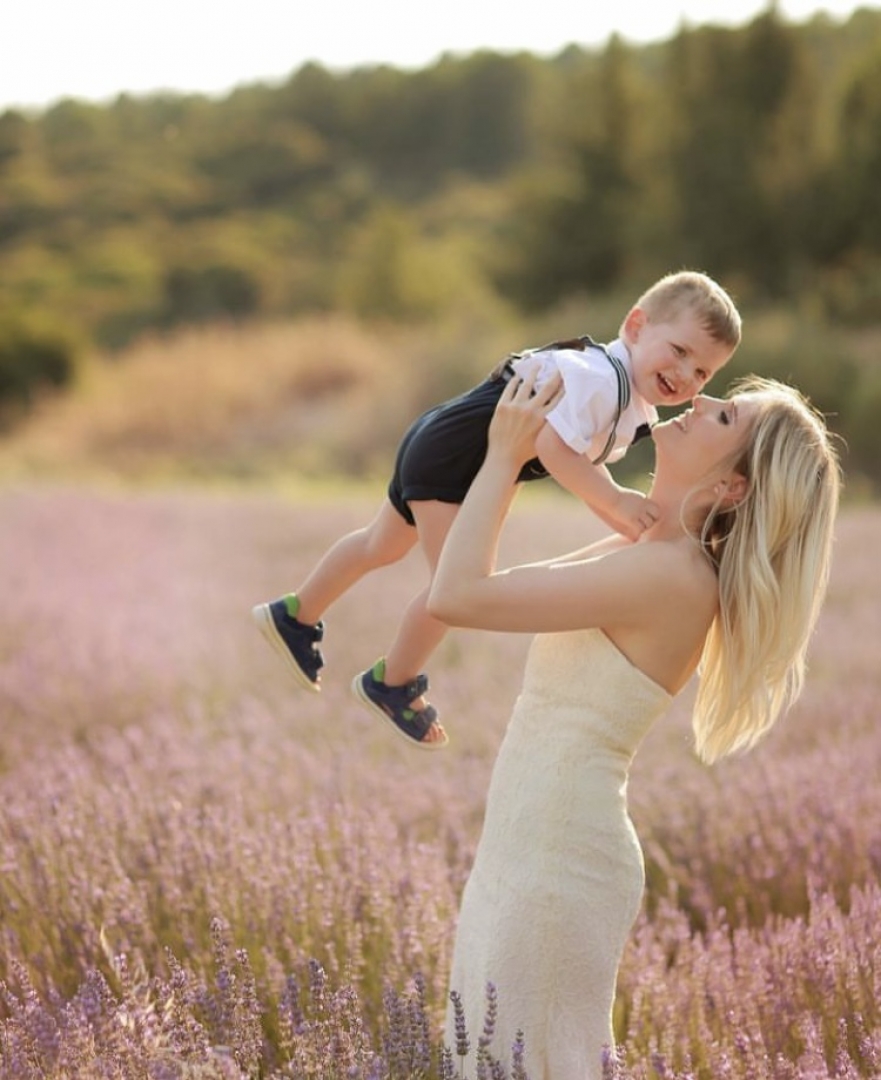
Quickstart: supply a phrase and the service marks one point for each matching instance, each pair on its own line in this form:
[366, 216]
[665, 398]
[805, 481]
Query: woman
[729, 580]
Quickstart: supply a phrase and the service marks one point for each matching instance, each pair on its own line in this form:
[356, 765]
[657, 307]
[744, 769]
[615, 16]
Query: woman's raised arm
[575, 592]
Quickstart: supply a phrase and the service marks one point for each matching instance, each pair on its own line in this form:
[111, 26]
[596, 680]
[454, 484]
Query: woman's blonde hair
[772, 552]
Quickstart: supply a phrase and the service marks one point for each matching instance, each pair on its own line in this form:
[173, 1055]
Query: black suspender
[623, 399]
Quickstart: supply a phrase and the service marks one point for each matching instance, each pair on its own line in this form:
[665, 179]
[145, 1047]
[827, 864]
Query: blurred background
[263, 275]
[239, 250]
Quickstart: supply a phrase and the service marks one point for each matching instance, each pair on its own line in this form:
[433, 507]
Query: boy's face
[674, 360]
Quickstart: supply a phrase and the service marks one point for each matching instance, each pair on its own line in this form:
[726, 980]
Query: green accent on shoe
[393, 704]
[292, 604]
[296, 642]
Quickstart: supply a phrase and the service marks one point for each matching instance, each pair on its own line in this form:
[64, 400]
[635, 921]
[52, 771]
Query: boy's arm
[627, 511]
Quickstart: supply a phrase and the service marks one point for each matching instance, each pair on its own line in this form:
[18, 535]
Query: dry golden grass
[227, 400]
[306, 402]
[300, 401]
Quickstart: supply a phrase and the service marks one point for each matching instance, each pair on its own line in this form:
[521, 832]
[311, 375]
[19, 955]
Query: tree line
[486, 179]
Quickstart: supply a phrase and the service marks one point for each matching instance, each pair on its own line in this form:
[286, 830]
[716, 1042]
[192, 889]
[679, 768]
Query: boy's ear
[633, 323]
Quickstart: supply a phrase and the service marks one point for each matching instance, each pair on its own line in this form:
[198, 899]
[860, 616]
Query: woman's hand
[520, 414]
[469, 554]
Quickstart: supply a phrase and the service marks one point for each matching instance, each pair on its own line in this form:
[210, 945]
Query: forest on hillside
[750, 151]
[484, 183]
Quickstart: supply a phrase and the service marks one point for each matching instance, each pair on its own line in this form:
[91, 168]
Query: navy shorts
[443, 449]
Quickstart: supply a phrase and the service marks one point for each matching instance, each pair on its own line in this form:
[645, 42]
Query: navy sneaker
[297, 642]
[392, 704]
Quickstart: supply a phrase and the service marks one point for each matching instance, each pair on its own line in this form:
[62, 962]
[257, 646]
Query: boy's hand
[630, 514]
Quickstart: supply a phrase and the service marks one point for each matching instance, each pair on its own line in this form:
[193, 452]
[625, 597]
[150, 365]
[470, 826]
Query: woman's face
[709, 433]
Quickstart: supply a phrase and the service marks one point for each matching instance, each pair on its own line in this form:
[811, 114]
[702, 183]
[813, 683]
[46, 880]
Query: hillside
[481, 180]
[323, 400]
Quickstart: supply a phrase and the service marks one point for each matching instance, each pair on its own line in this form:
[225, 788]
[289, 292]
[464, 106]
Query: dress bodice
[587, 684]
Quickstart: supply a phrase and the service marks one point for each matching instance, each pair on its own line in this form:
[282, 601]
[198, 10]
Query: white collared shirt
[585, 415]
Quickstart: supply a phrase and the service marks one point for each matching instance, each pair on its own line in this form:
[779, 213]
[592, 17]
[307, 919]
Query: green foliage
[478, 184]
[861, 442]
[31, 359]
[744, 155]
[390, 272]
[13, 136]
[571, 230]
[210, 292]
[751, 153]
[860, 155]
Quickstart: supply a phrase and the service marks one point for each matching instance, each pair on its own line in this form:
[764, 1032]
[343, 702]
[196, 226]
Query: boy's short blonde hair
[691, 290]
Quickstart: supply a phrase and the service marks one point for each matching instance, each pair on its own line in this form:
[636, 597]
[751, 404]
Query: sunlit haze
[96, 49]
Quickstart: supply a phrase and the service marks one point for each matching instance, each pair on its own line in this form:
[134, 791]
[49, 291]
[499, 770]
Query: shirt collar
[620, 351]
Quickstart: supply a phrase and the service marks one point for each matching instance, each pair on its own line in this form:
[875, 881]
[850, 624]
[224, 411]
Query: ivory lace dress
[558, 875]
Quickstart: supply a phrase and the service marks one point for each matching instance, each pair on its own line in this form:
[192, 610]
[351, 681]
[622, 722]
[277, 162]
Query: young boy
[671, 343]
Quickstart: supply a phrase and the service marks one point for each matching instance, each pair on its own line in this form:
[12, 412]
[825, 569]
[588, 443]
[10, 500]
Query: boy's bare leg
[418, 633]
[385, 540]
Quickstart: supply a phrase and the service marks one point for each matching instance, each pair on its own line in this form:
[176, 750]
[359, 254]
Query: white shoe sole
[359, 693]
[262, 616]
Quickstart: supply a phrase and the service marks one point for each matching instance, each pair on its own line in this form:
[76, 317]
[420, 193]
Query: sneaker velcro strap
[314, 633]
[416, 687]
[420, 723]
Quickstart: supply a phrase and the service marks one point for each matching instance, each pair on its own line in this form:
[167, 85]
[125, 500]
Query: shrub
[209, 292]
[31, 359]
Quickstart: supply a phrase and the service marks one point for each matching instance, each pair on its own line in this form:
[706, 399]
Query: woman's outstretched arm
[572, 593]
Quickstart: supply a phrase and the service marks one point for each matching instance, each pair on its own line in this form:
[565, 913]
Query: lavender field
[206, 873]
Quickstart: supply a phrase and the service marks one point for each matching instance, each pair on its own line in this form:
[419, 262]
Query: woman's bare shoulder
[674, 572]
[665, 634]
[681, 566]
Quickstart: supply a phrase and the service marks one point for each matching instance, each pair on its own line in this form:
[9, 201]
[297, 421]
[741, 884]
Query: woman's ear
[732, 490]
